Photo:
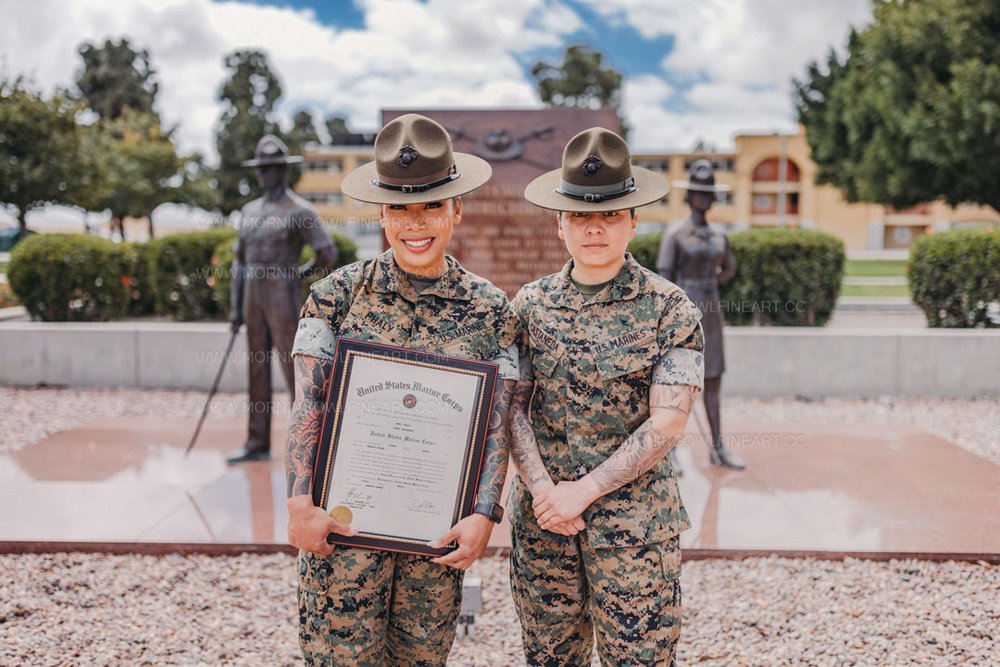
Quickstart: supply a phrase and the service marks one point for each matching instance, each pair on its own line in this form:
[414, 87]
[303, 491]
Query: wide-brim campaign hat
[701, 178]
[270, 151]
[597, 174]
[414, 164]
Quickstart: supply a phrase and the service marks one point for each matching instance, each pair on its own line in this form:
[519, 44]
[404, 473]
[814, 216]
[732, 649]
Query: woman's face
[419, 234]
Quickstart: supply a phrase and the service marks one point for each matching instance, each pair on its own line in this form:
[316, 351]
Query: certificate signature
[422, 506]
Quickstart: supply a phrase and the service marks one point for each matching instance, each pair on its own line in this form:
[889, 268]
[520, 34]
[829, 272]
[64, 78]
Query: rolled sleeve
[508, 362]
[682, 345]
[314, 336]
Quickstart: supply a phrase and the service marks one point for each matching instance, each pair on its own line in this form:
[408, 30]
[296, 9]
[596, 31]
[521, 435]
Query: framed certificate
[401, 444]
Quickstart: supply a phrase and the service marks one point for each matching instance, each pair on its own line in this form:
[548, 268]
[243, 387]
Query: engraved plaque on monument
[503, 237]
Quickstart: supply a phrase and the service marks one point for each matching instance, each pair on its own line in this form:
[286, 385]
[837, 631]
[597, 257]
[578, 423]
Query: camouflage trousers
[566, 591]
[369, 608]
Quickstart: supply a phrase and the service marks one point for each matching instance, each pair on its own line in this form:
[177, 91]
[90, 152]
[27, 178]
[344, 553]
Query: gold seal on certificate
[342, 515]
[401, 444]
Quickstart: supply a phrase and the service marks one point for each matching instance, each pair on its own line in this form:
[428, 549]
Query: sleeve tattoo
[645, 448]
[524, 447]
[494, 469]
[312, 377]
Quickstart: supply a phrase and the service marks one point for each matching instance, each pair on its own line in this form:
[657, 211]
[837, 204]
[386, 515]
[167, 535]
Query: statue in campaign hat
[698, 258]
[267, 282]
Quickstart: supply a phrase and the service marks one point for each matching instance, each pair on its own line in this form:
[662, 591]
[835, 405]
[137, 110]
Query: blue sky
[695, 69]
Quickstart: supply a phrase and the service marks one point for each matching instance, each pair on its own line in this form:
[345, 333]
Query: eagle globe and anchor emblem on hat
[415, 164]
[597, 175]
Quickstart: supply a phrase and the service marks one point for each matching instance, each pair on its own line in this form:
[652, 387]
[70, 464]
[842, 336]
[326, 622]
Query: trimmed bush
[139, 282]
[71, 277]
[955, 276]
[785, 277]
[180, 266]
[222, 262]
[645, 248]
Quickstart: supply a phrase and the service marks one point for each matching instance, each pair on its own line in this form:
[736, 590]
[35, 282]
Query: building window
[324, 198]
[329, 166]
[659, 166]
[764, 204]
[723, 197]
[718, 164]
[768, 170]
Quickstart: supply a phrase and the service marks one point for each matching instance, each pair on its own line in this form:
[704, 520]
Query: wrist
[541, 486]
[591, 487]
[300, 502]
[492, 512]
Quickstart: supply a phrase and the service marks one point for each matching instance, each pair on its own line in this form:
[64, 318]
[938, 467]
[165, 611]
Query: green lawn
[875, 267]
[874, 290]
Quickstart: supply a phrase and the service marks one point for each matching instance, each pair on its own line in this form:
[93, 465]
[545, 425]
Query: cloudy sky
[695, 69]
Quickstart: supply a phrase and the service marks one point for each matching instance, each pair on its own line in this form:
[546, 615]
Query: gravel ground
[974, 424]
[78, 609]
[195, 610]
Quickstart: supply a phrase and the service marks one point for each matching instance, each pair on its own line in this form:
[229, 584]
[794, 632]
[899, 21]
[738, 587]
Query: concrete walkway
[851, 487]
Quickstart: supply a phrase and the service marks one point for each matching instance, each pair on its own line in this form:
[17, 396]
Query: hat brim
[650, 188]
[268, 161]
[698, 187]
[474, 173]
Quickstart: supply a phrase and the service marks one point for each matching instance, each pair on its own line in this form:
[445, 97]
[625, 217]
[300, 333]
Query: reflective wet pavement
[861, 487]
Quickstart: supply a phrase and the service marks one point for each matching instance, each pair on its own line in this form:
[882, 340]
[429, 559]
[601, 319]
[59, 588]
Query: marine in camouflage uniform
[595, 358]
[373, 607]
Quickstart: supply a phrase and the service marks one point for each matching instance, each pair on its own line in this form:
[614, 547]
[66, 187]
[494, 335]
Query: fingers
[461, 558]
[340, 529]
[323, 549]
[579, 524]
[446, 539]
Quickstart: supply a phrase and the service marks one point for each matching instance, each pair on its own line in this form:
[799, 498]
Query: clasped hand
[559, 507]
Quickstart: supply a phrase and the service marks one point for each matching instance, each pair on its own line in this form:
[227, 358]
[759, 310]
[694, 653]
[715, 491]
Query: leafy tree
[911, 113]
[144, 170]
[582, 79]
[336, 125]
[42, 156]
[303, 132]
[115, 77]
[248, 96]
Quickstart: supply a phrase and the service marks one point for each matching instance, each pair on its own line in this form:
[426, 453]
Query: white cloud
[738, 56]
[409, 53]
[732, 59]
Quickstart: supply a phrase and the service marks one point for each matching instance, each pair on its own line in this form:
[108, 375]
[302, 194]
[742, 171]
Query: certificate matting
[402, 443]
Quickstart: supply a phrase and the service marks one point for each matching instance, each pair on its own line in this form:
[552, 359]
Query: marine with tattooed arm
[371, 607]
[611, 364]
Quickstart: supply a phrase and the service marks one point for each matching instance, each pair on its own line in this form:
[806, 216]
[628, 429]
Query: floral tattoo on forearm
[524, 447]
[312, 377]
[497, 451]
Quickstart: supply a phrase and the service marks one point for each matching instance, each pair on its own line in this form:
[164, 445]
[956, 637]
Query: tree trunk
[22, 220]
[119, 222]
[149, 217]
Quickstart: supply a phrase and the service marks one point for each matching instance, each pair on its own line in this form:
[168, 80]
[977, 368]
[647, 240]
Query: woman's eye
[396, 207]
[433, 204]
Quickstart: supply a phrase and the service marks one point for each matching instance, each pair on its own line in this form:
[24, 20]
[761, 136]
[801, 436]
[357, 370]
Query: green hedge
[140, 283]
[222, 262]
[785, 277]
[955, 276]
[180, 265]
[71, 277]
